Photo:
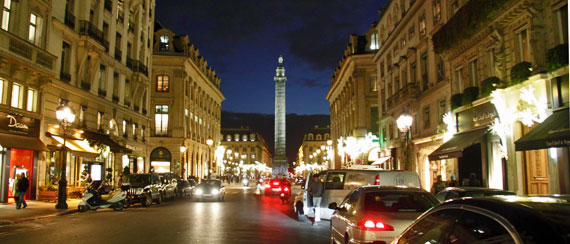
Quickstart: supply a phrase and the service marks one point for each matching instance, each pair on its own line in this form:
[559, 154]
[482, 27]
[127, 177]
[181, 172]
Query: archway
[160, 159]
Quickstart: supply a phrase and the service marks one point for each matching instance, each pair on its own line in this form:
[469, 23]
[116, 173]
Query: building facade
[354, 103]
[508, 83]
[316, 150]
[243, 151]
[186, 108]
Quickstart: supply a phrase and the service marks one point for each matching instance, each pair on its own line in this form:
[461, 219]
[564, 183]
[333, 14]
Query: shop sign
[19, 125]
[479, 116]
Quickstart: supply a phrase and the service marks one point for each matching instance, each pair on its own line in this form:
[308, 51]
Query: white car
[377, 214]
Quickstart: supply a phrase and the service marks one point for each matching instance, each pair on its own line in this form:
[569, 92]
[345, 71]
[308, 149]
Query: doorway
[535, 163]
[470, 162]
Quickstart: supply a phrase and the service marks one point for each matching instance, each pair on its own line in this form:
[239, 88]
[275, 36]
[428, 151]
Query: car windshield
[134, 179]
[397, 202]
[211, 183]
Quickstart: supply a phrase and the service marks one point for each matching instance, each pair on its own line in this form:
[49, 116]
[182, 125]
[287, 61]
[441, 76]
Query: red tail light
[377, 180]
[374, 226]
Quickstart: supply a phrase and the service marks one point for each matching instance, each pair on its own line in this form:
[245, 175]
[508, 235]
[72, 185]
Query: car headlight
[199, 192]
[215, 192]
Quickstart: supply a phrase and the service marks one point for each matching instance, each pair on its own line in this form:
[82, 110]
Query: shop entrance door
[470, 162]
[536, 169]
[21, 161]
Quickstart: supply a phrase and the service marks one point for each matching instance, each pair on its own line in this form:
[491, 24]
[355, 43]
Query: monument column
[280, 164]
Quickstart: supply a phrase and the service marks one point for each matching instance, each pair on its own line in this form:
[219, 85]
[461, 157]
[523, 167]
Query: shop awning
[22, 142]
[79, 147]
[380, 161]
[106, 139]
[552, 132]
[454, 147]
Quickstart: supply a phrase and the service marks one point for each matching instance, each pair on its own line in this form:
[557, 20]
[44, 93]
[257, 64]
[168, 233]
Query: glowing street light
[65, 116]
[404, 122]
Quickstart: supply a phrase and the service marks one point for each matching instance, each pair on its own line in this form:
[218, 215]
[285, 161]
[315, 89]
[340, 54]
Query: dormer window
[374, 41]
[164, 42]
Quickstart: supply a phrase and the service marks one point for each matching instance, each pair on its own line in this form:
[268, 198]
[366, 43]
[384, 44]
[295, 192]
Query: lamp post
[65, 116]
[209, 142]
[404, 122]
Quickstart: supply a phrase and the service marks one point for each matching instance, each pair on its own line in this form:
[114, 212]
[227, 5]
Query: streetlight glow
[404, 122]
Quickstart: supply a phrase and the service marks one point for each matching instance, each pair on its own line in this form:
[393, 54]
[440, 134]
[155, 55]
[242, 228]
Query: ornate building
[186, 107]
[280, 163]
[354, 104]
[245, 150]
[316, 149]
[509, 86]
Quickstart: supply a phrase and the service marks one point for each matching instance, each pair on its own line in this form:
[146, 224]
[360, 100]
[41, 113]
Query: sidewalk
[35, 210]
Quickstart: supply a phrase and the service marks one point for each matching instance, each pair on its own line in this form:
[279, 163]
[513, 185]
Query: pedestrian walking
[452, 181]
[22, 186]
[437, 186]
[316, 189]
[473, 181]
[15, 192]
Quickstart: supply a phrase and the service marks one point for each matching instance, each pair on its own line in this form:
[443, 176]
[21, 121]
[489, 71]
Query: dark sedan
[459, 192]
[210, 189]
[497, 219]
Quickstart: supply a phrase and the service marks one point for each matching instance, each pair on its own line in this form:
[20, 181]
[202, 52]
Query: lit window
[374, 41]
[473, 72]
[161, 120]
[32, 102]
[436, 10]
[162, 83]
[164, 43]
[124, 128]
[135, 130]
[422, 25]
[35, 30]
[6, 14]
[17, 96]
[524, 53]
[373, 84]
[2, 96]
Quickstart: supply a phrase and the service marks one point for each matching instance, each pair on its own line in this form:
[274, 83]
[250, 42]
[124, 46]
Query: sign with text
[478, 116]
[19, 125]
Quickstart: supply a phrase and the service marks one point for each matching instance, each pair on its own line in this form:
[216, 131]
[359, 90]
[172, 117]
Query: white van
[339, 182]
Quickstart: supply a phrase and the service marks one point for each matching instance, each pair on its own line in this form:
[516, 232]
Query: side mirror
[333, 206]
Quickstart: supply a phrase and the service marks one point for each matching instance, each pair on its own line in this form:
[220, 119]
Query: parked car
[274, 186]
[377, 214]
[143, 188]
[458, 192]
[496, 219]
[169, 183]
[339, 182]
[210, 189]
[185, 187]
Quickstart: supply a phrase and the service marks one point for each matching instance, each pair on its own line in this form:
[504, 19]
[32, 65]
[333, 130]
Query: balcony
[86, 85]
[136, 108]
[130, 64]
[121, 17]
[118, 55]
[66, 77]
[69, 20]
[14, 44]
[109, 5]
[102, 93]
[137, 66]
[127, 104]
[115, 98]
[88, 29]
[144, 111]
[409, 91]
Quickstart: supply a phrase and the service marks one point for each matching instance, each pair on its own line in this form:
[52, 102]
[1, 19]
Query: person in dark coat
[452, 181]
[22, 186]
[316, 189]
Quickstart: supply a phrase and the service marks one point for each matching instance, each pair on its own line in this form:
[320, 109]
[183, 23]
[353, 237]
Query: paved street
[243, 217]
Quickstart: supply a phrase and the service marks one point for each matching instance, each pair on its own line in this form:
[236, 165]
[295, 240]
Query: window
[373, 119]
[102, 78]
[335, 180]
[411, 32]
[403, 42]
[381, 69]
[3, 89]
[413, 73]
[161, 120]
[562, 19]
[431, 228]
[32, 103]
[374, 41]
[441, 110]
[310, 137]
[422, 25]
[454, 7]
[143, 128]
[127, 93]
[440, 68]
[473, 76]
[115, 87]
[6, 14]
[162, 83]
[319, 137]
[373, 84]
[135, 125]
[436, 10]
[33, 30]
[164, 41]
[523, 52]
[125, 128]
[426, 117]
[477, 228]
[491, 63]
[100, 120]
[17, 96]
[458, 80]
[65, 61]
[423, 70]
[244, 138]
[236, 137]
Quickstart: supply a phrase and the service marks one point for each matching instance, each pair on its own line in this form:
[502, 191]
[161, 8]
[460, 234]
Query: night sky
[242, 39]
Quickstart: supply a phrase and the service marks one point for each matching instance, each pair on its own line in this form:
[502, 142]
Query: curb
[4, 223]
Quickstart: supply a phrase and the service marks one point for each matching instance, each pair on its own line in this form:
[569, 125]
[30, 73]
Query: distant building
[186, 107]
[242, 146]
[353, 98]
[316, 148]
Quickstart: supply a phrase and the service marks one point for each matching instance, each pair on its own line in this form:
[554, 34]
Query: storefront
[20, 150]
[160, 160]
[473, 150]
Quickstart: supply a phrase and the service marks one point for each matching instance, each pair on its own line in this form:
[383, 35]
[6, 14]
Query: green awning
[454, 147]
[554, 131]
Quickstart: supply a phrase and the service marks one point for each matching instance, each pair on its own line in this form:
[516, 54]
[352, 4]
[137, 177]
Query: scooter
[115, 199]
[284, 193]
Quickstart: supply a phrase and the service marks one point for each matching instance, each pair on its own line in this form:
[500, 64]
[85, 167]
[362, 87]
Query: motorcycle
[94, 198]
[245, 182]
[284, 194]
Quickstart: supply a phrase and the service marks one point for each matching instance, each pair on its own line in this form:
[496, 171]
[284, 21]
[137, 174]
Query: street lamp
[209, 142]
[65, 116]
[404, 122]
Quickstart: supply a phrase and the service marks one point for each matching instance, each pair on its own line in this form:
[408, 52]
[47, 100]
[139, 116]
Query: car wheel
[83, 208]
[159, 200]
[147, 201]
[119, 206]
[127, 202]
